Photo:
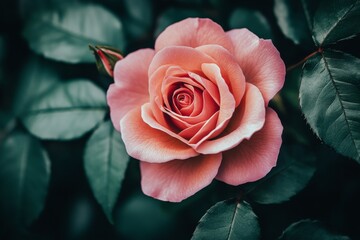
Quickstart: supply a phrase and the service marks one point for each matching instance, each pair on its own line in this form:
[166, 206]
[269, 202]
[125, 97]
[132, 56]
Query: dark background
[71, 211]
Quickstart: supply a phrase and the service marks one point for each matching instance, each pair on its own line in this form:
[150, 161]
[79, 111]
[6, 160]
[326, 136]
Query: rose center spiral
[184, 99]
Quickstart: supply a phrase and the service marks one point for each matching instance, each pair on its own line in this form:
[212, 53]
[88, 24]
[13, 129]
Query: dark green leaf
[139, 17]
[293, 22]
[172, 15]
[252, 20]
[105, 162]
[27, 7]
[66, 111]
[295, 167]
[7, 124]
[64, 34]
[140, 217]
[228, 219]
[309, 230]
[24, 179]
[336, 20]
[36, 78]
[330, 100]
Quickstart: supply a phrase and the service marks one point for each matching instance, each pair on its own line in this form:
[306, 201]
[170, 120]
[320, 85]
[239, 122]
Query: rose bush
[195, 108]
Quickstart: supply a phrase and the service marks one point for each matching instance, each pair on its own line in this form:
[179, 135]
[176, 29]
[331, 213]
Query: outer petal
[193, 32]
[179, 179]
[131, 84]
[260, 62]
[248, 118]
[148, 144]
[252, 159]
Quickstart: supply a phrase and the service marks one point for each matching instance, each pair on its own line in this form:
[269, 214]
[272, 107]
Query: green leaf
[140, 217]
[309, 230]
[330, 100]
[228, 219]
[7, 124]
[293, 21]
[251, 19]
[66, 111]
[36, 78]
[105, 162]
[172, 15]
[295, 168]
[336, 20]
[24, 180]
[139, 17]
[27, 7]
[64, 34]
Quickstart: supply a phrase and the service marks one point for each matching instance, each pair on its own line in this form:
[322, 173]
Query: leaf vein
[337, 23]
[340, 101]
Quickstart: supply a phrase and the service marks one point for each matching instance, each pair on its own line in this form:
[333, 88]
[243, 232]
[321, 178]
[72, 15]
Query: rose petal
[226, 108]
[149, 118]
[148, 144]
[209, 107]
[230, 69]
[131, 84]
[248, 118]
[193, 32]
[178, 179]
[260, 61]
[187, 58]
[210, 87]
[252, 159]
[203, 133]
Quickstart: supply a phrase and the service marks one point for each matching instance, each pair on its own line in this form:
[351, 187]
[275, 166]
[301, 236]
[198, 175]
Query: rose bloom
[195, 108]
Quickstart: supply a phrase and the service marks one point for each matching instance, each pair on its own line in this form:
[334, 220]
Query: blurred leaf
[172, 15]
[24, 179]
[105, 162]
[80, 216]
[7, 124]
[141, 217]
[139, 17]
[336, 20]
[66, 111]
[64, 34]
[36, 78]
[295, 167]
[191, 2]
[309, 230]
[330, 100]
[228, 219]
[252, 20]
[293, 22]
[27, 7]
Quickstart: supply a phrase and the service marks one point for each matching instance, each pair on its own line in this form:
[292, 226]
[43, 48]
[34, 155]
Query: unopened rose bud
[106, 57]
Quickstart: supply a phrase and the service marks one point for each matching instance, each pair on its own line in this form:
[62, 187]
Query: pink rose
[196, 108]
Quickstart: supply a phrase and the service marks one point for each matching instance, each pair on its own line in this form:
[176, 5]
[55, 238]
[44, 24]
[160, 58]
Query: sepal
[106, 58]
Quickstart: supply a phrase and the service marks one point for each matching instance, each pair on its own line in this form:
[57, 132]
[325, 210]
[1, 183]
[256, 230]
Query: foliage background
[313, 181]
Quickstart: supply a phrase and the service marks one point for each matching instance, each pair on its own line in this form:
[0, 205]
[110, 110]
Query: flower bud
[106, 57]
